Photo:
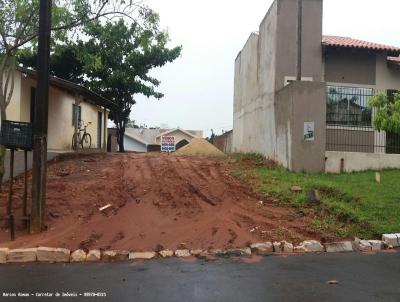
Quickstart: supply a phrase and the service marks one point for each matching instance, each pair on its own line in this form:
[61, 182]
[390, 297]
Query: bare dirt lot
[157, 201]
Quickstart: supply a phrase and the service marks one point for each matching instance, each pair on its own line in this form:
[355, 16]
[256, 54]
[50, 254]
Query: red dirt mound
[157, 201]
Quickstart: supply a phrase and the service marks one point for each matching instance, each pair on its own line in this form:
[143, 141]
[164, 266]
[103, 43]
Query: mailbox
[16, 135]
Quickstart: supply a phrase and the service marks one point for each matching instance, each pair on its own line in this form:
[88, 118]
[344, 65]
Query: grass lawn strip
[352, 204]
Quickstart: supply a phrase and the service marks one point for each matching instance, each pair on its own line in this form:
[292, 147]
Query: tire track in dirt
[159, 200]
[186, 169]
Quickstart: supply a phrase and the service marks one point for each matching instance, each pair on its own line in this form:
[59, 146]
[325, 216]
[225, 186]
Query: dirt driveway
[157, 200]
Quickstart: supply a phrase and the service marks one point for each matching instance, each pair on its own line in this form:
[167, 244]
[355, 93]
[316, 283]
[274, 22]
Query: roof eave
[173, 130]
[74, 88]
[390, 52]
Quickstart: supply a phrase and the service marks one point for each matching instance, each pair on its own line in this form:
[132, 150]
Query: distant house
[141, 140]
[68, 103]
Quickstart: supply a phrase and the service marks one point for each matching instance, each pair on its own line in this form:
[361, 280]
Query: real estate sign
[167, 143]
[309, 131]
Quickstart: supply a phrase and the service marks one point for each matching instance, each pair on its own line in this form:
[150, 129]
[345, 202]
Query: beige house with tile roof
[342, 72]
[64, 98]
[138, 139]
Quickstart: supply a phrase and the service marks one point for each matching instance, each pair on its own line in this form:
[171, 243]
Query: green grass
[351, 204]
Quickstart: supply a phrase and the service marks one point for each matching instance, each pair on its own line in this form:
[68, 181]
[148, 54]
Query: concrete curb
[57, 255]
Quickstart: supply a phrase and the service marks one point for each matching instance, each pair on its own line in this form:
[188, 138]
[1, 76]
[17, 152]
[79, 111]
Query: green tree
[118, 58]
[19, 24]
[387, 112]
[211, 138]
[114, 60]
[131, 124]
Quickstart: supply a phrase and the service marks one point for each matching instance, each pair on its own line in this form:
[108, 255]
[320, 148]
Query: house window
[76, 115]
[348, 106]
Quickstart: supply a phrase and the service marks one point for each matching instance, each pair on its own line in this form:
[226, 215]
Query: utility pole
[299, 37]
[39, 173]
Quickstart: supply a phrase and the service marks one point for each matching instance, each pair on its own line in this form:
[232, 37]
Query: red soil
[159, 201]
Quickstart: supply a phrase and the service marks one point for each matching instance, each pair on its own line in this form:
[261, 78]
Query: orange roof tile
[346, 42]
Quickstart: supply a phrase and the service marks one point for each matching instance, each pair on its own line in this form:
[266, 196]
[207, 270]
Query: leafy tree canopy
[387, 112]
[19, 19]
[114, 59]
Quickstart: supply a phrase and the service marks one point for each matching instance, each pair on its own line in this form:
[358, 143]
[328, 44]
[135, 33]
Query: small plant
[255, 160]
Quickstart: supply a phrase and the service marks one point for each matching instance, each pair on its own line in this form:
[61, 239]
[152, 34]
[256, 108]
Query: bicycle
[84, 140]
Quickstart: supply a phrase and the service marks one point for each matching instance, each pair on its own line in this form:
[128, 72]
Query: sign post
[168, 144]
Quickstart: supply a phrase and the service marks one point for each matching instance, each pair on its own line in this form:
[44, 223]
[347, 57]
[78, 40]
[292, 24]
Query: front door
[99, 128]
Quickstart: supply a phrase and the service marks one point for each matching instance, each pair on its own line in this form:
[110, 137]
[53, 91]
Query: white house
[139, 140]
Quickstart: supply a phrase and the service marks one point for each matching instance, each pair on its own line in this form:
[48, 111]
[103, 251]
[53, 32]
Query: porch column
[105, 118]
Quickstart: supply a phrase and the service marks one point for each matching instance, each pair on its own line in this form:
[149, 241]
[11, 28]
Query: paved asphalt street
[275, 278]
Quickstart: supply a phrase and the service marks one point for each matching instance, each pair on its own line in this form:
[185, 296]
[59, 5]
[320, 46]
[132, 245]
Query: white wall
[356, 161]
[133, 145]
[60, 128]
[13, 109]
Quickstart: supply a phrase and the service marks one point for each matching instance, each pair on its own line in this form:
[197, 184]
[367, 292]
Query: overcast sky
[198, 87]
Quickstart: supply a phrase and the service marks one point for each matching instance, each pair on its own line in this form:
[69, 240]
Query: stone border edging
[61, 255]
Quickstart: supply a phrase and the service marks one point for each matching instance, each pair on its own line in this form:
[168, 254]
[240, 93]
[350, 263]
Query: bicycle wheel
[86, 141]
[75, 141]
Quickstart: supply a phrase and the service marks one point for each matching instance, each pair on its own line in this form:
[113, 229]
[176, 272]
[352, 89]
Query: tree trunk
[121, 134]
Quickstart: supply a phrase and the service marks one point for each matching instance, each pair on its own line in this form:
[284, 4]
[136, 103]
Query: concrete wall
[350, 66]
[224, 142]
[251, 110]
[386, 77]
[357, 161]
[296, 104]
[260, 71]
[360, 69]
[286, 54]
[253, 117]
[350, 139]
